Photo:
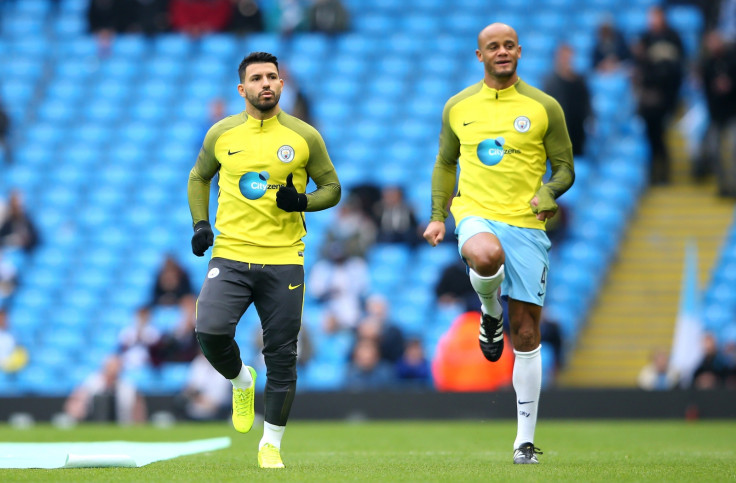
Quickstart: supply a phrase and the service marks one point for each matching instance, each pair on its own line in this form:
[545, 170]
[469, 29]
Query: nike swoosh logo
[230, 153]
[523, 402]
[466, 123]
[539, 294]
[292, 287]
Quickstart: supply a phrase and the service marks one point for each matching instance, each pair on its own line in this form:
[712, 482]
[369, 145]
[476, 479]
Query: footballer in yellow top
[501, 131]
[265, 158]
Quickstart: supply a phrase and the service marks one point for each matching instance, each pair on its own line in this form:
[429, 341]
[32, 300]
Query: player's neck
[500, 83]
[261, 115]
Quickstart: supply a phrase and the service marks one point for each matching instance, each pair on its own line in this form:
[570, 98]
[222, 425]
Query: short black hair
[256, 58]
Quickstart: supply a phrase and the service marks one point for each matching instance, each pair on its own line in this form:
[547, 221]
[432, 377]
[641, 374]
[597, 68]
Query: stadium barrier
[423, 405]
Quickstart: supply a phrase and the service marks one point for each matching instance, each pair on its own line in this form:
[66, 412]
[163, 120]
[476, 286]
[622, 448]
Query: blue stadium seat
[16, 91]
[30, 48]
[23, 69]
[375, 24]
[148, 112]
[221, 46]
[322, 376]
[332, 348]
[137, 132]
[22, 25]
[172, 377]
[421, 24]
[77, 47]
[351, 45]
[164, 68]
[264, 42]
[130, 46]
[315, 45]
[119, 70]
[58, 111]
[173, 45]
[70, 26]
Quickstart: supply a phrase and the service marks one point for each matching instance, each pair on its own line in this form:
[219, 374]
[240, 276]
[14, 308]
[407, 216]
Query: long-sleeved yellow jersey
[253, 158]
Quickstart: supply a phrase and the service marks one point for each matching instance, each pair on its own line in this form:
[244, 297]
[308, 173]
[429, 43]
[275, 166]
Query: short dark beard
[263, 106]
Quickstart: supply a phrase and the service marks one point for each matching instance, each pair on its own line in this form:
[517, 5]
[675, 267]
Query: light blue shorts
[527, 256]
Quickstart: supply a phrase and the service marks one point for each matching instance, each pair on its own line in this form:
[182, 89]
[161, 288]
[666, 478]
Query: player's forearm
[198, 193]
[563, 175]
[443, 187]
[325, 196]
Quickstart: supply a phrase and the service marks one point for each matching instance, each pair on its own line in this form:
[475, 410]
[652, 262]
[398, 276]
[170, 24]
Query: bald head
[499, 51]
[495, 30]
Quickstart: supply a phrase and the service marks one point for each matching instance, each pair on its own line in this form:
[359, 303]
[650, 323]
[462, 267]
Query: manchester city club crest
[522, 124]
[286, 154]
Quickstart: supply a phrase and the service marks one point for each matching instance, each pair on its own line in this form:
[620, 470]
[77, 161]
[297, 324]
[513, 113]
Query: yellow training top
[503, 139]
[254, 158]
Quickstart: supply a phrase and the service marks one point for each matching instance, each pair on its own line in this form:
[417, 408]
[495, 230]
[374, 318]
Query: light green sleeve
[559, 152]
[444, 174]
[205, 168]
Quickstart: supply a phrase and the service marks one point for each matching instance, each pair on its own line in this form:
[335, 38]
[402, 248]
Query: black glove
[288, 199]
[202, 238]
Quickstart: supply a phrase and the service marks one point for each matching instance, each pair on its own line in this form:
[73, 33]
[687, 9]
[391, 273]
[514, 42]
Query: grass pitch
[580, 451]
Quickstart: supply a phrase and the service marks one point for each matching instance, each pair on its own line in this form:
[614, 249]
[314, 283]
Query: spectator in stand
[610, 50]
[459, 366]
[206, 395]
[375, 325]
[247, 18]
[8, 280]
[729, 355]
[413, 367]
[397, 222]
[291, 17]
[552, 338]
[366, 197]
[172, 286]
[659, 57]
[151, 17]
[340, 282]
[717, 71]
[454, 288]
[727, 19]
[136, 341]
[366, 370]
[328, 16]
[16, 229]
[7, 152]
[352, 229]
[200, 17]
[571, 91]
[658, 375]
[105, 397]
[179, 345]
[13, 356]
[711, 372]
[108, 17]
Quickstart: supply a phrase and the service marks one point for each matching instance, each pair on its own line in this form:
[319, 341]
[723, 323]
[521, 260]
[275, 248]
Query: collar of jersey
[509, 91]
[253, 122]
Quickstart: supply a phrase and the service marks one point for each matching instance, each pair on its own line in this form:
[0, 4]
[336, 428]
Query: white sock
[527, 379]
[272, 434]
[487, 290]
[243, 380]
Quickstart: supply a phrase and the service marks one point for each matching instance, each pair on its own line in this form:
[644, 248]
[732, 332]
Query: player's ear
[519, 56]
[477, 54]
[241, 90]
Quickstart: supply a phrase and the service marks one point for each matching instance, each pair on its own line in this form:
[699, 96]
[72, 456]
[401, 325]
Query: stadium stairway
[637, 307]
